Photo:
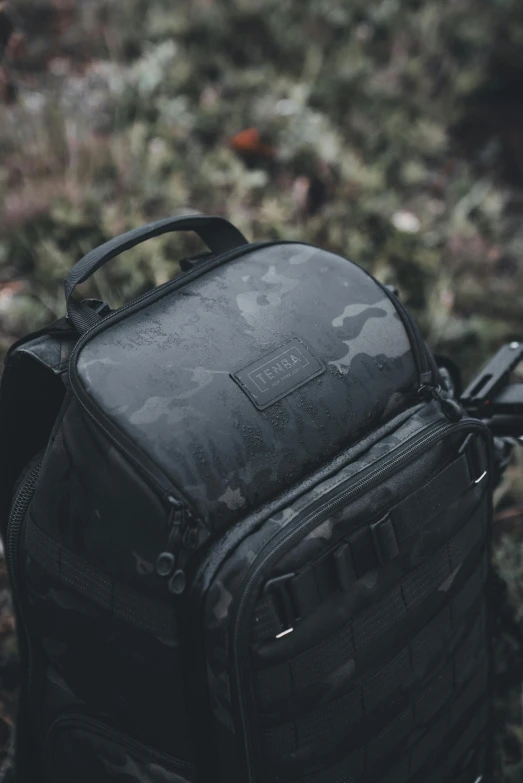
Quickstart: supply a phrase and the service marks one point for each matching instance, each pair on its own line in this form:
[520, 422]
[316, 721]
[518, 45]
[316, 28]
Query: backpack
[247, 531]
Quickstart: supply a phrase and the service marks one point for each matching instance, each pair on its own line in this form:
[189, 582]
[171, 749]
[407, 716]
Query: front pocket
[395, 573]
[80, 749]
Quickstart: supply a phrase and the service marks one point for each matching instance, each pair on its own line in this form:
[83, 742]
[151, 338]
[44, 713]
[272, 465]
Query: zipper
[182, 540]
[122, 739]
[427, 388]
[379, 516]
[450, 407]
[14, 527]
[425, 374]
[283, 542]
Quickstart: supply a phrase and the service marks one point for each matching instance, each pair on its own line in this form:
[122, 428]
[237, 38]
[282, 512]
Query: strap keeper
[305, 592]
[344, 566]
[385, 540]
[278, 590]
[363, 551]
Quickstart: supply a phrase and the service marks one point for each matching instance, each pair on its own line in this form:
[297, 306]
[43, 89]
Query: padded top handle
[219, 235]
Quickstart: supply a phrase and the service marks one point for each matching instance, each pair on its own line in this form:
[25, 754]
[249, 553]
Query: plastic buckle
[278, 589]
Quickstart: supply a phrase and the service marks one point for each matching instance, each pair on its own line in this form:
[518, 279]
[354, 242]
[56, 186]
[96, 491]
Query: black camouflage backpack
[247, 531]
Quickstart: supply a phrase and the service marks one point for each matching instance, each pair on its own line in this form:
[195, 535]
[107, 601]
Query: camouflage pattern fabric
[227, 455]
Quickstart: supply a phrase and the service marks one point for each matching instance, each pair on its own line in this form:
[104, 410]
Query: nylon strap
[123, 602]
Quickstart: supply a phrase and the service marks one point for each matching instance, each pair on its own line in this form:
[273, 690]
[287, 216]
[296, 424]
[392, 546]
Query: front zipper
[427, 388]
[14, 527]
[283, 542]
[72, 720]
[417, 343]
[419, 349]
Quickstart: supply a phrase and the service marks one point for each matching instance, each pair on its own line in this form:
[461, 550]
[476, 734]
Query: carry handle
[218, 234]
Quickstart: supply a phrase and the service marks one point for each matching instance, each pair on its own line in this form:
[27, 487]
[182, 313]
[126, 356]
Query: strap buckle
[278, 589]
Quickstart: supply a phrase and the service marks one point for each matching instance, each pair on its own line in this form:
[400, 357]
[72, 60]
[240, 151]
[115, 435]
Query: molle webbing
[287, 600]
[123, 602]
[446, 749]
[401, 751]
[417, 657]
[393, 701]
[355, 639]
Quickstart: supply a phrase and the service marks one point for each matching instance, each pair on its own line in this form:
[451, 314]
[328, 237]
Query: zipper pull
[450, 407]
[183, 537]
[189, 541]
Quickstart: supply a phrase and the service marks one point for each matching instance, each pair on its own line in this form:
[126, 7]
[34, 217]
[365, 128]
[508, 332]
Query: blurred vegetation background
[390, 131]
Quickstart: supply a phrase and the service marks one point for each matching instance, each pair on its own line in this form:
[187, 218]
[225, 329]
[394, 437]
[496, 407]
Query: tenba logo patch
[285, 365]
[278, 373]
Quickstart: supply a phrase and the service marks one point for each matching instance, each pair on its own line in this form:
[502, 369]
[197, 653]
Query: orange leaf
[249, 142]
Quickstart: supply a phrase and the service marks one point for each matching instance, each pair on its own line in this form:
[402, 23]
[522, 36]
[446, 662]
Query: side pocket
[80, 749]
[31, 395]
